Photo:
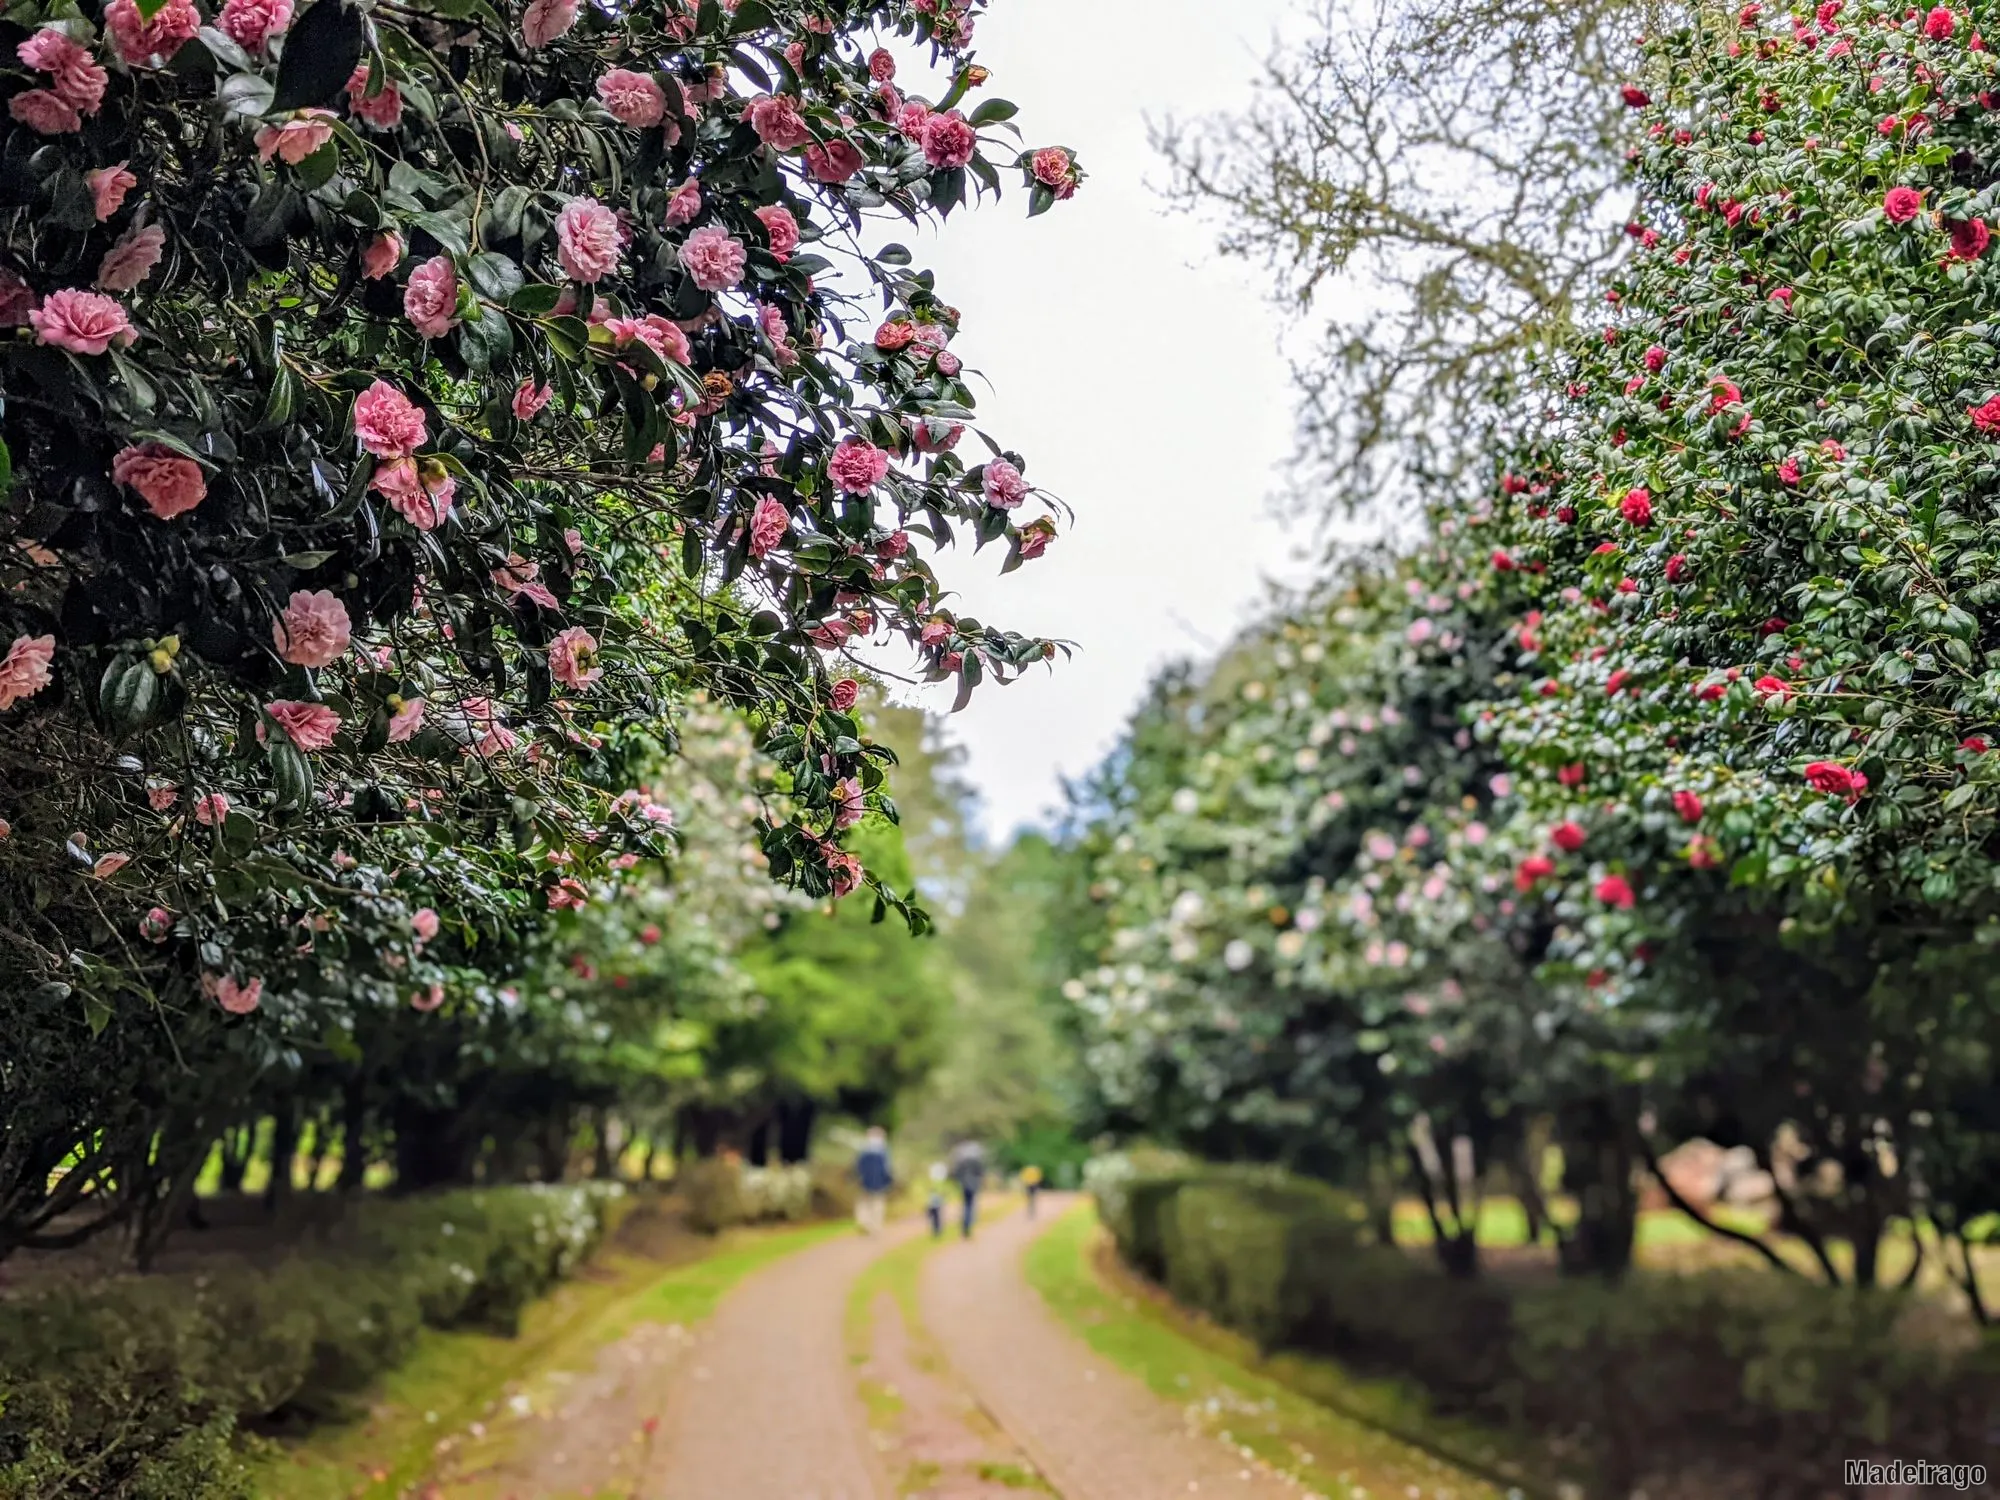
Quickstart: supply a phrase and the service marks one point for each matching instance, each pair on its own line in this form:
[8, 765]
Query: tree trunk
[603, 1165]
[554, 1164]
[239, 1144]
[432, 1149]
[759, 1154]
[353, 1136]
[1598, 1164]
[795, 1131]
[284, 1147]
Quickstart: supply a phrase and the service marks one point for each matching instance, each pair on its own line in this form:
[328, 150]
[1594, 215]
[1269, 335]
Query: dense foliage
[1650, 793]
[423, 422]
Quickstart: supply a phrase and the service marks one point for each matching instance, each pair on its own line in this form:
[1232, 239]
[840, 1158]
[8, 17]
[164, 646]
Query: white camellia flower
[1187, 801]
[1238, 956]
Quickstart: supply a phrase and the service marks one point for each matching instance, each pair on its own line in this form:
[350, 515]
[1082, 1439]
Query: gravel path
[765, 1407]
[1094, 1431]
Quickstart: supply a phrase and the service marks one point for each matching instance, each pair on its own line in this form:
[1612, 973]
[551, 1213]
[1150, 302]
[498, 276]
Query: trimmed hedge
[137, 1388]
[721, 1193]
[1723, 1384]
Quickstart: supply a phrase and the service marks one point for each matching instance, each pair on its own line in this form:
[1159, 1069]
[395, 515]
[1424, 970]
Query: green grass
[454, 1379]
[1255, 1405]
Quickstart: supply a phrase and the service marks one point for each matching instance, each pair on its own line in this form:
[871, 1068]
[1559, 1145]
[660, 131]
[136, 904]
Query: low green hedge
[722, 1193]
[138, 1388]
[1728, 1383]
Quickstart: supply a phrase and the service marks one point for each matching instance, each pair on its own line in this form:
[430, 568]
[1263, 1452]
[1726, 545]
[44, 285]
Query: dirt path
[1094, 1431]
[764, 1406]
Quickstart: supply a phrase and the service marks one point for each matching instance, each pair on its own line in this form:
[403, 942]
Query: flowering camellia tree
[409, 405]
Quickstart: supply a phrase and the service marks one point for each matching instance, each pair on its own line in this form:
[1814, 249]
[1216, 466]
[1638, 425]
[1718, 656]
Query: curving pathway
[1094, 1431]
[764, 1407]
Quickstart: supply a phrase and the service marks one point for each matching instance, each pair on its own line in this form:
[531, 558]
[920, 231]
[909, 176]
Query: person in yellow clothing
[1031, 1179]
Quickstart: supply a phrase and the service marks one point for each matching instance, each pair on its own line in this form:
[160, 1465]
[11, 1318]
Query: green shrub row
[1721, 1384]
[721, 1193]
[140, 1387]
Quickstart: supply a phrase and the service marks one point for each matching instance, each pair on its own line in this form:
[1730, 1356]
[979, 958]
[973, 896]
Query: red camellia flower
[1902, 204]
[1788, 471]
[1615, 683]
[1637, 507]
[1571, 776]
[1676, 566]
[1986, 415]
[1502, 562]
[1655, 359]
[1831, 776]
[1534, 868]
[1775, 626]
[1688, 805]
[1615, 890]
[1969, 238]
[1940, 24]
[1567, 836]
[1975, 744]
[1702, 853]
[1636, 98]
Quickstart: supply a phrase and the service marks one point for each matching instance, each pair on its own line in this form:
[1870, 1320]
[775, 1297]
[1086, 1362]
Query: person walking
[934, 1205]
[1031, 1179]
[968, 1170]
[871, 1166]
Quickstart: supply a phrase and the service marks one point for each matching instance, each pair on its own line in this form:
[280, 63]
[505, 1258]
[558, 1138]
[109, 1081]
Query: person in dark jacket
[871, 1166]
[968, 1170]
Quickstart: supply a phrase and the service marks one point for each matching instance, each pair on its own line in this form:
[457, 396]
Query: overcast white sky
[1139, 373]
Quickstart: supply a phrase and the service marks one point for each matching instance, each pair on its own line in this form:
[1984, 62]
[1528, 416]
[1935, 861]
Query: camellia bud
[649, 381]
[433, 472]
[976, 75]
[162, 662]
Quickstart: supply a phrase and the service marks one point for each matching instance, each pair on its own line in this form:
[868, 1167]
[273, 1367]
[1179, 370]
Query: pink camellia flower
[24, 670]
[1969, 238]
[1055, 170]
[314, 630]
[776, 119]
[850, 803]
[573, 658]
[75, 77]
[845, 870]
[1830, 776]
[546, 20]
[685, 205]
[1003, 485]
[882, 65]
[156, 925]
[521, 578]
[131, 260]
[782, 228]
[161, 796]
[895, 335]
[588, 240]
[893, 546]
[169, 483]
[140, 43]
[419, 497]
[252, 23]
[929, 436]
[108, 187]
[661, 335]
[297, 138]
[714, 258]
[382, 109]
[406, 720]
[428, 999]
[387, 423]
[1615, 890]
[768, 524]
[430, 301]
[529, 398]
[43, 111]
[911, 118]
[568, 894]
[212, 809]
[1637, 507]
[835, 162]
[1940, 24]
[634, 99]
[1788, 471]
[1035, 538]
[949, 141]
[383, 255]
[310, 726]
[573, 539]
[857, 466]
[237, 999]
[424, 922]
[81, 322]
[1901, 204]
[846, 693]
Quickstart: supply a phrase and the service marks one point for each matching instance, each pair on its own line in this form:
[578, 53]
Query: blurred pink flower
[383, 255]
[782, 228]
[314, 630]
[310, 726]
[212, 809]
[406, 720]
[251, 23]
[430, 300]
[131, 259]
[297, 138]
[108, 187]
[857, 466]
[141, 43]
[24, 670]
[546, 20]
[167, 482]
[530, 398]
[237, 999]
[633, 98]
[573, 658]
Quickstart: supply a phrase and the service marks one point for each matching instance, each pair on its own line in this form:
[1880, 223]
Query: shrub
[139, 1387]
[722, 1194]
[1721, 1384]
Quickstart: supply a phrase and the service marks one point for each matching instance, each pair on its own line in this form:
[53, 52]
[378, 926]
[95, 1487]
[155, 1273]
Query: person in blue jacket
[871, 1166]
